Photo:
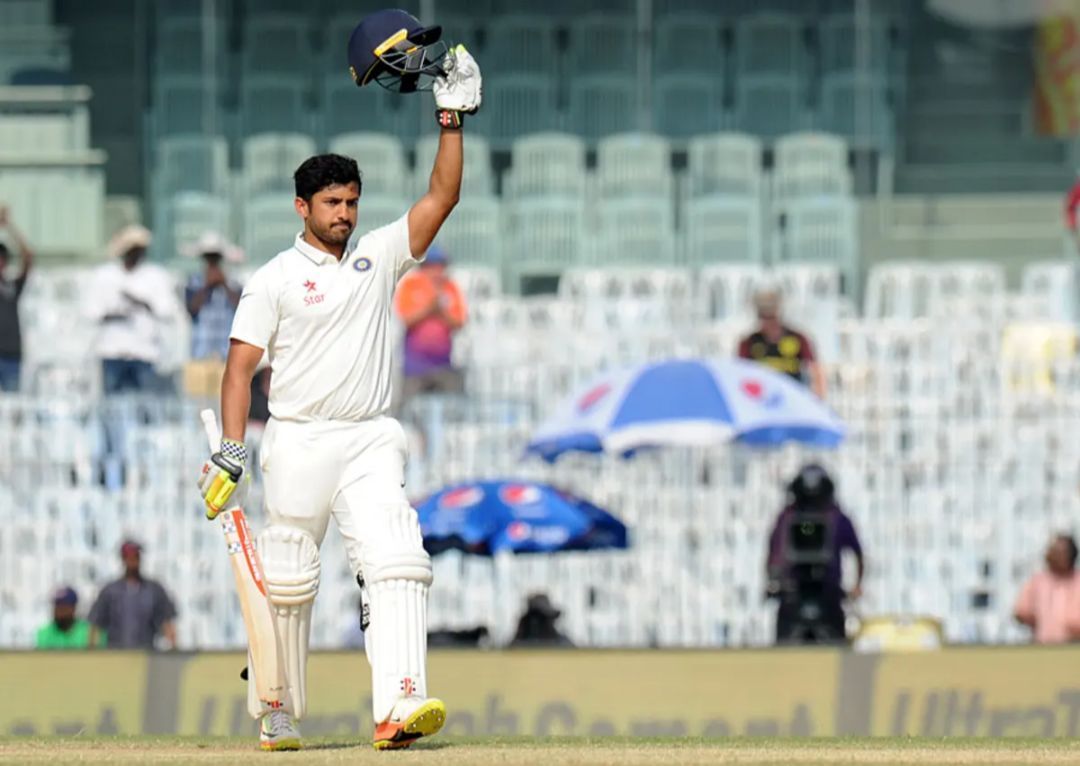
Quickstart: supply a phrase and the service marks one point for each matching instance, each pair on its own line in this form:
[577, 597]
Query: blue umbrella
[687, 402]
[487, 517]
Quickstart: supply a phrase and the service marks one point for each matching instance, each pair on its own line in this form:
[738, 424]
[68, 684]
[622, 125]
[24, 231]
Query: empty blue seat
[768, 105]
[688, 104]
[275, 103]
[603, 104]
[689, 43]
[195, 163]
[516, 104]
[605, 44]
[347, 108]
[768, 43]
[181, 106]
[277, 43]
[185, 45]
[521, 44]
[857, 107]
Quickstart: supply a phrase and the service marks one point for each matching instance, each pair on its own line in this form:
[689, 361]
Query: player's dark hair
[5, 254]
[323, 170]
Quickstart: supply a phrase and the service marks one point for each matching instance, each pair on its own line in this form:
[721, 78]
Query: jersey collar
[317, 256]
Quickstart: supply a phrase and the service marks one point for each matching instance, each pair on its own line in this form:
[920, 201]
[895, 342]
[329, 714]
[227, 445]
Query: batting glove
[221, 475]
[460, 92]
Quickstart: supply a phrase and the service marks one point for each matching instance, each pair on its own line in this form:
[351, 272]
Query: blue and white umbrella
[489, 517]
[687, 402]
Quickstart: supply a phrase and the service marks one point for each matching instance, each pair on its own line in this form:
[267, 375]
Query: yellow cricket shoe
[278, 731]
[411, 719]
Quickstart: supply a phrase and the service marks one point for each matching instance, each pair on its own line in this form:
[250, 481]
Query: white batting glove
[460, 92]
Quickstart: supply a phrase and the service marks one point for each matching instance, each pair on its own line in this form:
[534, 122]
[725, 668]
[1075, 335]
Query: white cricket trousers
[355, 472]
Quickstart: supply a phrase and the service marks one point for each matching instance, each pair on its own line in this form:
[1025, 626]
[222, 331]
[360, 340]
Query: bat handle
[210, 427]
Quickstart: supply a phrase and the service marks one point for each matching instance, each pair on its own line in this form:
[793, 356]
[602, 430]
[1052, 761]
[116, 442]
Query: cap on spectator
[436, 255]
[213, 242]
[767, 302]
[65, 595]
[128, 547]
[129, 238]
[540, 603]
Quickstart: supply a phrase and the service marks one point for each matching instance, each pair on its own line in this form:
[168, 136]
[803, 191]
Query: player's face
[331, 214]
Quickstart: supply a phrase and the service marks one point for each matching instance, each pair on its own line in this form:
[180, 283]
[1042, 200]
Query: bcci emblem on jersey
[362, 264]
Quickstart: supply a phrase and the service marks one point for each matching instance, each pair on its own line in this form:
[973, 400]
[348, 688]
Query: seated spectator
[432, 308]
[1049, 602]
[133, 610]
[130, 300]
[10, 292]
[65, 630]
[781, 347]
[537, 624]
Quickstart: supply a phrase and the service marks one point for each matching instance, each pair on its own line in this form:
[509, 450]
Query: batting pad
[290, 561]
[397, 577]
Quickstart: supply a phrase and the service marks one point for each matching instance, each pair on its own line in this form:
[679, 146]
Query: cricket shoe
[278, 731]
[411, 719]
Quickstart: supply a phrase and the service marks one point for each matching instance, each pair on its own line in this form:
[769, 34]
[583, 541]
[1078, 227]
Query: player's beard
[333, 234]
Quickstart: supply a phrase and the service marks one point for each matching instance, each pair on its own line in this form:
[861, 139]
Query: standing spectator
[777, 345]
[65, 630]
[130, 301]
[432, 308]
[803, 568]
[212, 298]
[10, 292]
[133, 610]
[1049, 602]
[537, 625]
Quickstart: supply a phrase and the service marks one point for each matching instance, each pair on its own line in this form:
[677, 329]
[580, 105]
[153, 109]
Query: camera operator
[803, 567]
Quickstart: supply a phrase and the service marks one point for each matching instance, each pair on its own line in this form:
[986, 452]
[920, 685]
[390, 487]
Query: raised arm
[427, 215]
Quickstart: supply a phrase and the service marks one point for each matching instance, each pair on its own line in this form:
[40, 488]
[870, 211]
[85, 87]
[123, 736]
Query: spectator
[779, 346]
[432, 308]
[1072, 201]
[1049, 602]
[804, 561]
[130, 300]
[10, 292]
[211, 297]
[65, 630]
[537, 624]
[133, 610]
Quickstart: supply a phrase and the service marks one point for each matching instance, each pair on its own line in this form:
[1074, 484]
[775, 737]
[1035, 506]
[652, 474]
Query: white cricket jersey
[326, 325]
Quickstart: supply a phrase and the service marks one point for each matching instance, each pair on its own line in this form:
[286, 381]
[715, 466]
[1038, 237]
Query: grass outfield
[549, 751]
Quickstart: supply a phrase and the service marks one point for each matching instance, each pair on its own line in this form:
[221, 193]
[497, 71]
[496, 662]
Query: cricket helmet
[391, 47]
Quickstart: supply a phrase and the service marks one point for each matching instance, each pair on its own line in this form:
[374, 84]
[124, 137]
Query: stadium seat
[1051, 285]
[547, 236]
[347, 108]
[723, 229]
[724, 163]
[191, 163]
[726, 291]
[690, 44]
[519, 44]
[838, 37]
[769, 44]
[477, 180]
[603, 104]
[381, 158]
[270, 159]
[377, 210]
[180, 106]
[185, 46]
[898, 290]
[768, 105]
[810, 164]
[181, 218]
[857, 106]
[515, 105]
[274, 42]
[473, 232]
[546, 164]
[603, 43]
[822, 230]
[636, 230]
[275, 103]
[633, 165]
[26, 13]
[270, 225]
[688, 104]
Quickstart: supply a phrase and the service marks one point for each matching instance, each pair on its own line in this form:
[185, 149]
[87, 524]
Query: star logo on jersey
[309, 299]
[310, 286]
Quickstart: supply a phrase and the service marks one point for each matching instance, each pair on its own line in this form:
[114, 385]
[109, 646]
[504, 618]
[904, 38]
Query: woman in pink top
[1049, 602]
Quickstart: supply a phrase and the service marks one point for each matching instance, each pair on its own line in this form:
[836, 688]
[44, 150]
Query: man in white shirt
[129, 301]
[322, 311]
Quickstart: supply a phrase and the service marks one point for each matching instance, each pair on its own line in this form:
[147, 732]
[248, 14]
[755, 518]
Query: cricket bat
[258, 612]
